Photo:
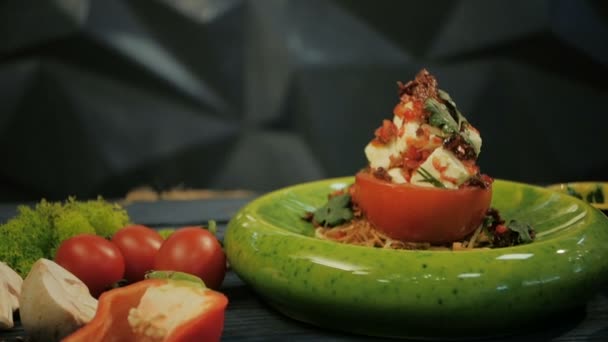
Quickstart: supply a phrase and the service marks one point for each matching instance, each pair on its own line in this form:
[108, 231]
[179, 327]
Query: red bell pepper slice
[111, 321]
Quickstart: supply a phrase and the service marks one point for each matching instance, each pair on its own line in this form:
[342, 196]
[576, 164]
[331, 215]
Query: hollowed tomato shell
[420, 214]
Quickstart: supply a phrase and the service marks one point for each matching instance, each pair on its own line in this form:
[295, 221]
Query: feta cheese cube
[451, 173]
[380, 155]
[396, 175]
[397, 120]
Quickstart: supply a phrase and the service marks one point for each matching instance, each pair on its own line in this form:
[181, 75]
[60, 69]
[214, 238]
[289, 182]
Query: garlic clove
[54, 302]
[13, 282]
[6, 310]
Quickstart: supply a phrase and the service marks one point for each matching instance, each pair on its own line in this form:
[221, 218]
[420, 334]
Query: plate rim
[270, 195]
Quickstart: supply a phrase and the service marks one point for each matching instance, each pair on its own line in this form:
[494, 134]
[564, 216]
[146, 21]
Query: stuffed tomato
[412, 213]
[422, 187]
[422, 183]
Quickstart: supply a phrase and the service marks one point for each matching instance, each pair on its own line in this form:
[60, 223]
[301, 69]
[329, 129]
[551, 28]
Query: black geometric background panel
[101, 96]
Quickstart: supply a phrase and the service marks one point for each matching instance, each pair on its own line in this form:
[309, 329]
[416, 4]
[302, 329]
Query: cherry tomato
[92, 259]
[196, 251]
[138, 245]
[420, 214]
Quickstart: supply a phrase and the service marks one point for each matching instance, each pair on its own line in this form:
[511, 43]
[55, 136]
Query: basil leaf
[336, 211]
[453, 110]
[440, 116]
[446, 97]
[522, 229]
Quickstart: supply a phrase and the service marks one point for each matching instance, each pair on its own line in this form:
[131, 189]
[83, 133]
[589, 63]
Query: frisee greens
[427, 177]
[337, 210]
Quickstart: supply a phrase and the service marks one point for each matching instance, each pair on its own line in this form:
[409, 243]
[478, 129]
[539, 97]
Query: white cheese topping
[397, 175]
[380, 155]
[441, 164]
[451, 173]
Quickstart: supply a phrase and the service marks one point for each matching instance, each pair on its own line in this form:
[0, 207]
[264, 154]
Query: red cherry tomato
[138, 245]
[92, 259]
[196, 251]
[420, 214]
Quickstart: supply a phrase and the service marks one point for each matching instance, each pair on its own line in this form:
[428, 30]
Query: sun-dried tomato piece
[385, 133]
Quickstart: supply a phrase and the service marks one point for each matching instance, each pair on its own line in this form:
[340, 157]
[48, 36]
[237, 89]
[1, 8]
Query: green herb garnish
[488, 221]
[440, 116]
[596, 196]
[337, 210]
[522, 229]
[573, 192]
[446, 97]
[451, 105]
[427, 177]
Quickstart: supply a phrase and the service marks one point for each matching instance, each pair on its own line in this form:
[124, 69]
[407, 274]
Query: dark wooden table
[249, 319]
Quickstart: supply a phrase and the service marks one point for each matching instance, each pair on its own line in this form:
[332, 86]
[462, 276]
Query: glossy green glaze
[583, 189]
[425, 294]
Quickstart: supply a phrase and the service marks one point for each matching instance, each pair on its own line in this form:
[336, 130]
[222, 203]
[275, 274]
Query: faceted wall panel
[101, 96]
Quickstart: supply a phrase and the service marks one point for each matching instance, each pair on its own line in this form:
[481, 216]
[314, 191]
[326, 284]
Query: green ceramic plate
[585, 190]
[421, 294]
